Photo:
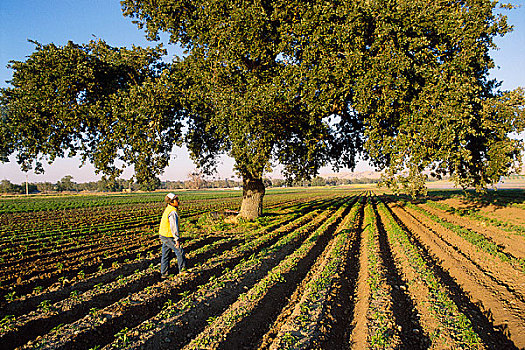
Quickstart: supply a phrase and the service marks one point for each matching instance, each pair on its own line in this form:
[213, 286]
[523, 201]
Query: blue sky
[58, 21]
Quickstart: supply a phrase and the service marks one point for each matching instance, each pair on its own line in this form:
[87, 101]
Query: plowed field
[322, 269]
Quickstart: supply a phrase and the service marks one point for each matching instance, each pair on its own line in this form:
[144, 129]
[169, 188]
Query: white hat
[171, 196]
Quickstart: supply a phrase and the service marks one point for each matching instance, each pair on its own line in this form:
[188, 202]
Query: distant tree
[90, 186]
[173, 185]
[123, 184]
[108, 184]
[278, 182]
[318, 181]
[45, 187]
[196, 180]
[66, 184]
[7, 187]
[150, 183]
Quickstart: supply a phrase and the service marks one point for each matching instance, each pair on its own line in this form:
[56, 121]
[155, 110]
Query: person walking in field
[169, 236]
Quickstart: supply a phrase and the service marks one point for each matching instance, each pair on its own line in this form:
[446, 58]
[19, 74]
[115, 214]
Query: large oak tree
[300, 83]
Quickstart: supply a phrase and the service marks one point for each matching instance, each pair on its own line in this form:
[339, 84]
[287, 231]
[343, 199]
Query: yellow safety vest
[165, 228]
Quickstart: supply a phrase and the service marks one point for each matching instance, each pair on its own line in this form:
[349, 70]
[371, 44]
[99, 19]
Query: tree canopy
[105, 104]
[404, 84]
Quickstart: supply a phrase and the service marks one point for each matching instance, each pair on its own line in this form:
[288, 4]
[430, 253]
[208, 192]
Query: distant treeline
[66, 184]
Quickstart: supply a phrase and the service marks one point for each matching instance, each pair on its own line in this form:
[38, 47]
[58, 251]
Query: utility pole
[27, 187]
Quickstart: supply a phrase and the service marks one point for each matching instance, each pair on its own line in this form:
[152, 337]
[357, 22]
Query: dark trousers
[168, 244]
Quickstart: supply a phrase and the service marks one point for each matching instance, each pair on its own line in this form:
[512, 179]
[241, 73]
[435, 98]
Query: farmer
[169, 235]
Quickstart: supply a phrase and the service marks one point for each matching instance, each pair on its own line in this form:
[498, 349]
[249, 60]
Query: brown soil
[144, 304]
[286, 312]
[41, 274]
[404, 310]
[514, 245]
[485, 289]
[272, 301]
[359, 335]
[501, 272]
[329, 329]
[54, 293]
[497, 302]
[341, 304]
[508, 214]
[69, 310]
[249, 332]
[175, 332]
[420, 295]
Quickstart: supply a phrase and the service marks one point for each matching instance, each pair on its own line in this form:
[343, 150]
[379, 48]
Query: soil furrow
[30, 302]
[342, 303]
[42, 324]
[501, 212]
[45, 279]
[497, 303]
[132, 311]
[216, 296]
[358, 337]
[298, 295]
[249, 332]
[403, 307]
[498, 271]
[492, 337]
[188, 324]
[513, 245]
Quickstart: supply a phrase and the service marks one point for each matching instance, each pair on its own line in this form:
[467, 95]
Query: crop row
[375, 324]
[73, 222]
[476, 215]
[38, 203]
[443, 322]
[218, 294]
[140, 285]
[482, 242]
[486, 290]
[46, 203]
[337, 270]
[499, 269]
[302, 328]
[215, 333]
[108, 255]
[79, 251]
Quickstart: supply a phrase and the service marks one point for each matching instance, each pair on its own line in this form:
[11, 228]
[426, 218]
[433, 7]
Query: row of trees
[202, 182]
[301, 83]
[67, 185]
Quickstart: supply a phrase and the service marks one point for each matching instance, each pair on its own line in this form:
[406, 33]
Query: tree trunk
[252, 197]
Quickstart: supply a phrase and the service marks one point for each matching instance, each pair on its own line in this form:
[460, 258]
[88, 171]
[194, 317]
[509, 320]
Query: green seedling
[45, 305]
[7, 322]
[10, 296]
[122, 336]
[93, 312]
